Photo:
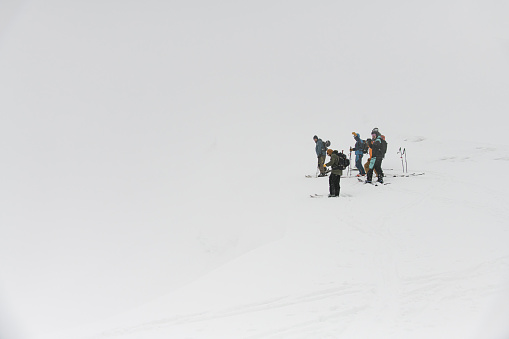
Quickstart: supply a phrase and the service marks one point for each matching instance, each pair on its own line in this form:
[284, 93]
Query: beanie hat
[329, 151]
[315, 137]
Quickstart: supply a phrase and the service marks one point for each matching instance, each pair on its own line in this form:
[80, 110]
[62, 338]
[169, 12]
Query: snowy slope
[154, 157]
[422, 257]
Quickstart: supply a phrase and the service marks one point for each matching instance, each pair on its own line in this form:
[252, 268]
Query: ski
[375, 183]
[405, 175]
[317, 176]
[324, 196]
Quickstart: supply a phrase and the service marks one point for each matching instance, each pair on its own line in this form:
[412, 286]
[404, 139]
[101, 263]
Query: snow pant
[376, 165]
[334, 184]
[321, 162]
[358, 164]
[366, 167]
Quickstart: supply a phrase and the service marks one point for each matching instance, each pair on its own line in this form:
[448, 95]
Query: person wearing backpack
[336, 172]
[384, 146]
[378, 147]
[320, 149]
[359, 153]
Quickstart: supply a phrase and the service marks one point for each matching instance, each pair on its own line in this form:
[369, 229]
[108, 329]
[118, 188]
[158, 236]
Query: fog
[122, 120]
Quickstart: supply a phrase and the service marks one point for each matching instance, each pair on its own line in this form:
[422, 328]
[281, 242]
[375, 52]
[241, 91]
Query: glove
[351, 149]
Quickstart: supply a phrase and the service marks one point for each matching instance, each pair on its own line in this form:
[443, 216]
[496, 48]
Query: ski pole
[401, 156]
[349, 172]
[406, 163]
[348, 169]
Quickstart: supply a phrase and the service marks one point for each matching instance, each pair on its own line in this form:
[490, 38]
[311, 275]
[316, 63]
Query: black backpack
[344, 162]
[383, 149]
[365, 147]
[325, 145]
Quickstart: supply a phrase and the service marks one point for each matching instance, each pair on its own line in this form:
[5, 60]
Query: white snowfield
[153, 161]
[422, 257]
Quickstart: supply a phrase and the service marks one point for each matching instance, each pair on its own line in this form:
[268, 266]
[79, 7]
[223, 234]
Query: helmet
[329, 151]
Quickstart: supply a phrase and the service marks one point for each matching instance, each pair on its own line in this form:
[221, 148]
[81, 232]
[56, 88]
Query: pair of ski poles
[404, 165]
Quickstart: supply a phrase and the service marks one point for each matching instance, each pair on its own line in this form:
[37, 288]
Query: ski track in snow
[380, 304]
[286, 302]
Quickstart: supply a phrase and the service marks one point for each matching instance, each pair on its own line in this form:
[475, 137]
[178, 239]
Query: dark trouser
[321, 162]
[358, 164]
[376, 164]
[334, 184]
[366, 167]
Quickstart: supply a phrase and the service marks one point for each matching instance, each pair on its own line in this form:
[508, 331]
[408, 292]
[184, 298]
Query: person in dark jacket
[335, 175]
[376, 157]
[320, 153]
[359, 153]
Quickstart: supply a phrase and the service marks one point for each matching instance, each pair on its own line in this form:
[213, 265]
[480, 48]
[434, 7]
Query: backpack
[384, 147]
[365, 147]
[325, 146]
[344, 162]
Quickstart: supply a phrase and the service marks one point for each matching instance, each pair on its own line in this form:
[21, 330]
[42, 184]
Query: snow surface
[153, 162]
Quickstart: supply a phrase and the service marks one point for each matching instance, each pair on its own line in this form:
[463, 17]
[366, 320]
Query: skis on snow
[406, 175]
[374, 183]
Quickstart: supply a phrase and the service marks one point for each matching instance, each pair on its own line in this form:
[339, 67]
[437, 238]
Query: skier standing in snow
[336, 173]
[377, 157]
[359, 152]
[320, 153]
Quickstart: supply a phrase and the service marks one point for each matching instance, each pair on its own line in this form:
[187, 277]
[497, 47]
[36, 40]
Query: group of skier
[375, 147]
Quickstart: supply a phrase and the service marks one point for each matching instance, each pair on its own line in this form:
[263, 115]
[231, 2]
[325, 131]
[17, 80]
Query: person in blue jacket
[359, 152]
[321, 150]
